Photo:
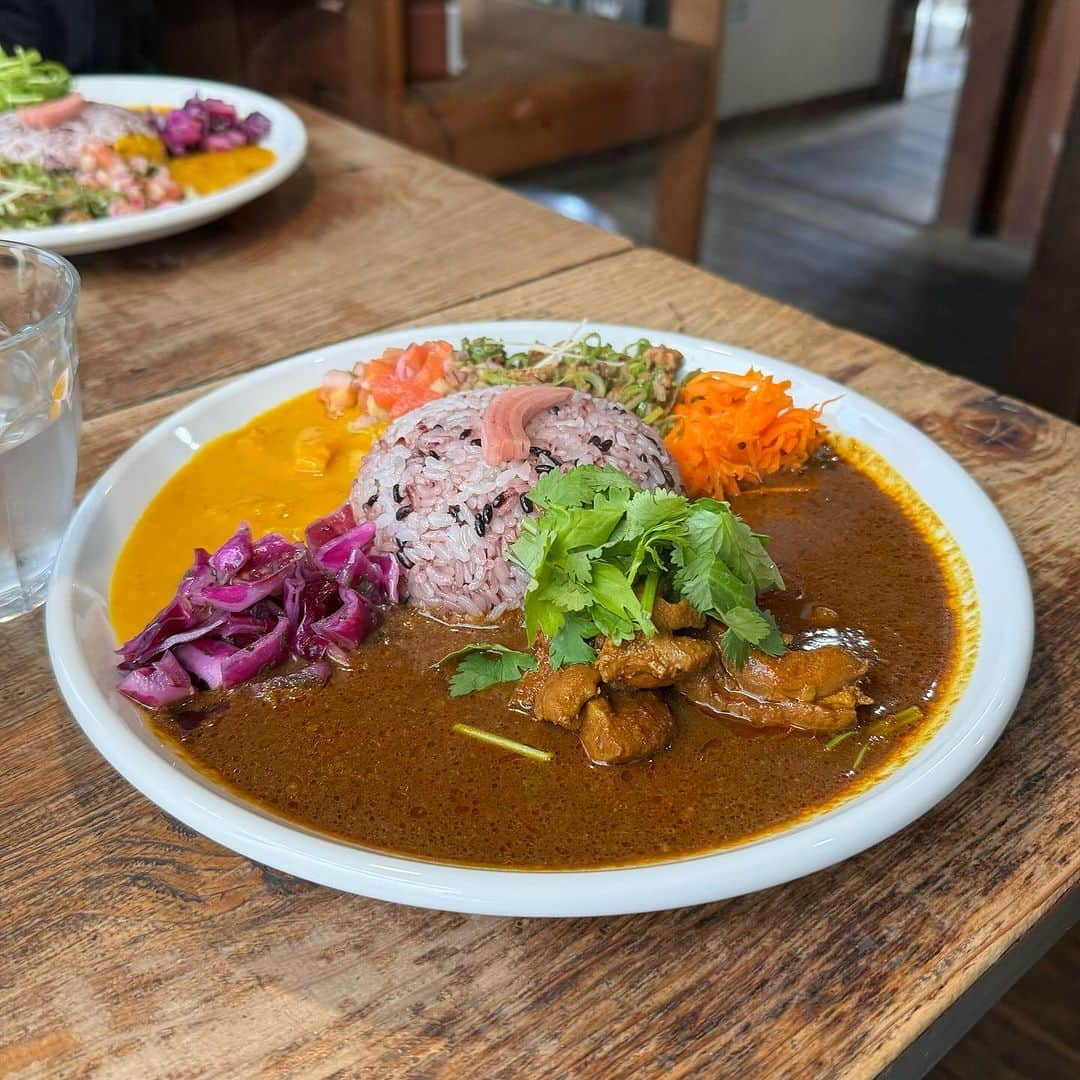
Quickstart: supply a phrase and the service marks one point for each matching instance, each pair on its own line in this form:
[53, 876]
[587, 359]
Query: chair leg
[680, 191]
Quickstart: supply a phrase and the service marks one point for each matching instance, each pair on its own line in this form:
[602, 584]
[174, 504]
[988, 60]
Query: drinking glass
[40, 417]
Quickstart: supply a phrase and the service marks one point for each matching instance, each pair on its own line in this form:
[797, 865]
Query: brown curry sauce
[372, 757]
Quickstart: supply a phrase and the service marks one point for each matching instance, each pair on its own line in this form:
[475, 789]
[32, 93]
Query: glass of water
[40, 416]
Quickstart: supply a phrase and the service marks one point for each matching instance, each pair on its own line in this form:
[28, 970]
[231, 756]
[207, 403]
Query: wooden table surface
[132, 947]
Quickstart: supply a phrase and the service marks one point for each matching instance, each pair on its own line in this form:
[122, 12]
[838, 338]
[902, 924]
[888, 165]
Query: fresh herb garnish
[602, 548]
[481, 666]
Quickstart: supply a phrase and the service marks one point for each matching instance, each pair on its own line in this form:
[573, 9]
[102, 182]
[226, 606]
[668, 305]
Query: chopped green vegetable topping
[481, 666]
[506, 744]
[641, 377]
[859, 758]
[890, 725]
[602, 549]
[836, 740]
[26, 79]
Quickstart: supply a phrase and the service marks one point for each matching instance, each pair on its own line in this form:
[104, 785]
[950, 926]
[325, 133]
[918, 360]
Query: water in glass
[40, 417]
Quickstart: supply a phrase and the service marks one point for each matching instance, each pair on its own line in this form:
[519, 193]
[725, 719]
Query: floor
[830, 215]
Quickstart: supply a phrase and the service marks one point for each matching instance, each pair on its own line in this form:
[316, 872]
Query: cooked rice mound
[449, 516]
[58, 147]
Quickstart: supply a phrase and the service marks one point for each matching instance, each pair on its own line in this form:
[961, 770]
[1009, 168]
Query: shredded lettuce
[27, 79]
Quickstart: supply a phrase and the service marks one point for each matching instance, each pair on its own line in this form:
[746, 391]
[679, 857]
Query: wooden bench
[542, 86]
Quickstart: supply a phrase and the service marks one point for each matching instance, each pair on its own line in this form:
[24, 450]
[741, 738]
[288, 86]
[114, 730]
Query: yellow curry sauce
[372, 757]
[285, 468]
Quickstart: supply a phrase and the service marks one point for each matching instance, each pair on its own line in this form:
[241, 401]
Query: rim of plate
[287, 138]
[996, 679]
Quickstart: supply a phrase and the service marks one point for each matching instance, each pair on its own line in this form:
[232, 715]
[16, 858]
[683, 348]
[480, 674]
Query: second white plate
[287, 138]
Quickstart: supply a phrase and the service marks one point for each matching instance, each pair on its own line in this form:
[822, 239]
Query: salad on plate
[66, 159]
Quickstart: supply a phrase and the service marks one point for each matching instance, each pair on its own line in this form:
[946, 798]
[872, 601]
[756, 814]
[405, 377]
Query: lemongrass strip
[836, 740]
[503, 742]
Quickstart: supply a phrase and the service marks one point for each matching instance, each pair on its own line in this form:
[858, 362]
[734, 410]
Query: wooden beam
[684, 158]
[1050, 76]
[1044, 364]
[984, 106]
[374, 45]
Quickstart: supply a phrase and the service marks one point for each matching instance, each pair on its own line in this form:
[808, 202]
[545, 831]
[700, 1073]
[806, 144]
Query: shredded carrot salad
[733, 430]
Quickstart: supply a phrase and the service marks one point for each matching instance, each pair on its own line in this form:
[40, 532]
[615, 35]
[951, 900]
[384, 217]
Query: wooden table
[131, 947]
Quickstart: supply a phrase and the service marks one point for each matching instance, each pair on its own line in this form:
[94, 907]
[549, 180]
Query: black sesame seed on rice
[404, 512]
[606, 445]
[372, 500]
[499, 500]
[526, 503]
[478, 525]
[397, 493]
[489, 513]
[465, 434]
[474, 442]
[402, 558]
[432, 454]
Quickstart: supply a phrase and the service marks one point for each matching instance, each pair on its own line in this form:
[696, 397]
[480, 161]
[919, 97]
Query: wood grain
[365, 234]
[131, 945]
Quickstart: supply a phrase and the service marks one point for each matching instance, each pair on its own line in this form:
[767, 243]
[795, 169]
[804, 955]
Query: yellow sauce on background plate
[208, 172]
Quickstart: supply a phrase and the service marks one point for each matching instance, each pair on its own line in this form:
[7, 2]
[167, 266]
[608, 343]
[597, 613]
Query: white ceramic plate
[81, 640]
[287, 139]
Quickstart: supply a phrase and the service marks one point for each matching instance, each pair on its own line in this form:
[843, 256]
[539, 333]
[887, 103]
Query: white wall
[779, 52]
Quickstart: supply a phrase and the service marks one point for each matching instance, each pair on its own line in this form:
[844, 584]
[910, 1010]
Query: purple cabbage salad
[255, 604]
[207, 124]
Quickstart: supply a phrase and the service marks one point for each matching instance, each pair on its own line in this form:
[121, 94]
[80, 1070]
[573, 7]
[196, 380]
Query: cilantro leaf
[579, 486]
[484, 665]
[586, 530]
[570, 645]
[711, 586]
[600, 545]
[712, 526]
[736, 651]
[750, 625]
[652, 511]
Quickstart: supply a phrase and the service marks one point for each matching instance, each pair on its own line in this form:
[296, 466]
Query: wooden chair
[543, 85]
